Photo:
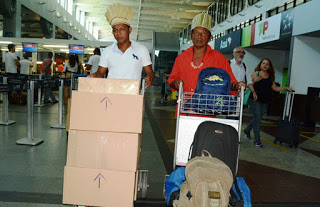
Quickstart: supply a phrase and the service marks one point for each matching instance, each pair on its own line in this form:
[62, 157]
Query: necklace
[195, 66]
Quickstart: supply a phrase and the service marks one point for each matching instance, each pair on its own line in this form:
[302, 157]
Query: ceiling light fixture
[5, 42]
[241, 14]
[257, 6]
[59, 46]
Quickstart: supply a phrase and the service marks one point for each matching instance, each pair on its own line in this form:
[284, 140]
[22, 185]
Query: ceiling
[149, 15]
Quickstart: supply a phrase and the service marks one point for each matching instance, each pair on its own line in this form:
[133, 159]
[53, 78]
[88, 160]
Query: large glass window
[223, 6]
[236, 6]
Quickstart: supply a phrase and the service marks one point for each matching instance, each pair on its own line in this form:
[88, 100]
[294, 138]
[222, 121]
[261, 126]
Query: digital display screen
[29, 47]
[76, 49]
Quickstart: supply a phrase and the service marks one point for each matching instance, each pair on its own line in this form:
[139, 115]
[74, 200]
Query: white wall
[306, 18]
[305, 70]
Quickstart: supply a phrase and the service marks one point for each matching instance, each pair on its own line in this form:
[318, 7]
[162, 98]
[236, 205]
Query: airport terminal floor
[33, 175]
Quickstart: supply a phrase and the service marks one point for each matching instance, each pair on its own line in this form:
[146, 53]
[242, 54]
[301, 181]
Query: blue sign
[228, 42]
[29, 47]
[8, 34]
[76, 49]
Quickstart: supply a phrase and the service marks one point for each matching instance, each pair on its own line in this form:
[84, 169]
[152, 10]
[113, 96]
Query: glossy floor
[33, 175]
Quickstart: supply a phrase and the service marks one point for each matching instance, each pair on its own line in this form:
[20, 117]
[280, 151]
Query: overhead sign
[286, 24]
[247, 36]
[228, 42]
[29, 47]
[267, 30]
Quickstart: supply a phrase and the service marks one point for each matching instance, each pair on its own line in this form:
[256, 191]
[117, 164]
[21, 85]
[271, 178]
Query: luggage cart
[193, 109]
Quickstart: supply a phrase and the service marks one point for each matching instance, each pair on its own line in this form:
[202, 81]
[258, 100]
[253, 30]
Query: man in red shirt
[200, 56]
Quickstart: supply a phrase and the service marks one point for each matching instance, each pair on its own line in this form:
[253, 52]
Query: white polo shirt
[240, 72]
[25, 66]
[10, 62]
[94, 62]
[127, 65]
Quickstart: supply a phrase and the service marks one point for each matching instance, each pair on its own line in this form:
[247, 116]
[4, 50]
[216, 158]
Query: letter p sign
[263, 27]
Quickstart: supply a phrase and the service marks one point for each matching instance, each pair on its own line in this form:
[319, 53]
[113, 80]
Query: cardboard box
[84, 186]
[105, 85]
[103, 150]
[106, 112]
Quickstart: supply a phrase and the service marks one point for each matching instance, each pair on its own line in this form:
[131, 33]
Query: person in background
[238, 67]
[93, 63]
[46, 73]
[11, 61]
[69, 69]
[263, 85]
[188, 64]
[25, 65]
[125, 58]
[164, 86]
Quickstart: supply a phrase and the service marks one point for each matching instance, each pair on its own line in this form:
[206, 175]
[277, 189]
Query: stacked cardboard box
[104, 143]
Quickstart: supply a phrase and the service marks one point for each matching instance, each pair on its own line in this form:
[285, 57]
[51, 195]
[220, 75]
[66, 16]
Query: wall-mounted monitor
[76, 49]
[29, 47]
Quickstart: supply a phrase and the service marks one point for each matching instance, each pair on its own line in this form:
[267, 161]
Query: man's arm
[17, 63]
[100, 72]
[150, 75]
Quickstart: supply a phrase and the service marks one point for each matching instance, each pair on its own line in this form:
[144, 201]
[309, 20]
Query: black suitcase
[288, 128]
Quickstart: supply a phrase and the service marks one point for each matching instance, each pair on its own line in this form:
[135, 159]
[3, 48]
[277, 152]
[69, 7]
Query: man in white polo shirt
[11, 60]
[124, 59]
[93, 63]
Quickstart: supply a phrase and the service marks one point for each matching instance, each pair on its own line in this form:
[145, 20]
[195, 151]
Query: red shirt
[183, 70]
[46, 67]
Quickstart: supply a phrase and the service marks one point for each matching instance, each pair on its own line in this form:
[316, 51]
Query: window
[82, 17]
[185, 35]
[288, 5]
[212, 11]
[236, 6]
[252, 2]
[222, 14]
[189, 32]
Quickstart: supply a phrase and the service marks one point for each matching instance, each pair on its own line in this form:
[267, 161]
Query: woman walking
[263, 83]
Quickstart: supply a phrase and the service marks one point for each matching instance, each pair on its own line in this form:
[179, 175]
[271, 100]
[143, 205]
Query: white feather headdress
[119, 14]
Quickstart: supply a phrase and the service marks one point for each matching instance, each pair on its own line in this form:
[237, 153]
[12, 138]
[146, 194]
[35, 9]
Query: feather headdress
[119, 14]
[202, 20]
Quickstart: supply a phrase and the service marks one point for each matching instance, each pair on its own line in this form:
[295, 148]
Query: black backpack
[220, 140]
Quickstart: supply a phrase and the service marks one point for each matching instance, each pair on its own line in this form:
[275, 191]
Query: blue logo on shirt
[135, 57]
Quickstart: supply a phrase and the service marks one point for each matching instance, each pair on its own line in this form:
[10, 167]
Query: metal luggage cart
[193, 109]
[74, 82]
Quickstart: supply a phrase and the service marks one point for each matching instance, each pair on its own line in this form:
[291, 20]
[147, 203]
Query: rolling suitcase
[288, 128]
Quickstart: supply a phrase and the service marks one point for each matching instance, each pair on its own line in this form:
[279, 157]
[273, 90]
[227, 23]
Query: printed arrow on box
[106, 98]
[99, 176]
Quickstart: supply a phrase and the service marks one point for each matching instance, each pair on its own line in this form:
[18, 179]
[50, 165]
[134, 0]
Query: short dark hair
[11, 46]
[25, 56]
[97, 51]
[50, 54]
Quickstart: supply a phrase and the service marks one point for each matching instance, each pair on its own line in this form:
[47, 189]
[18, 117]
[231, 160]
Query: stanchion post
[5, 105]
[30, 140]
[39, 94]
[60, 107]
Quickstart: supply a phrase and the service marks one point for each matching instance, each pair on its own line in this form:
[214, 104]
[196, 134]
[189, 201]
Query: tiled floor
[276, 175]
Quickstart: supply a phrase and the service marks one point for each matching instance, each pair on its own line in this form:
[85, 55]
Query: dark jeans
[257, 109]
[48, 93]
